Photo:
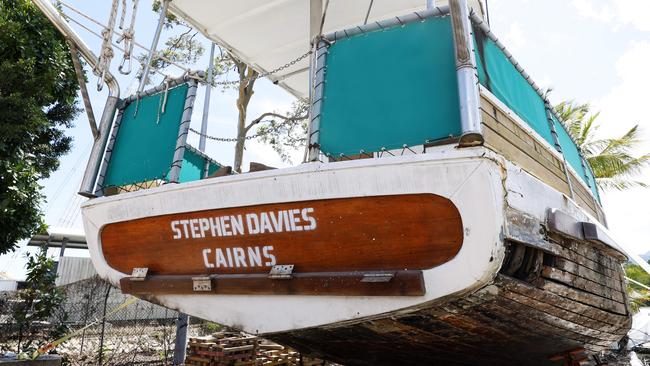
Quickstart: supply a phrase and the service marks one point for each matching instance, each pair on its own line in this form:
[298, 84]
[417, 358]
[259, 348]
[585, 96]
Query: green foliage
[37, 101]
[611, 159]
[639, 296]
[283, 132]
[40, 302]
[210, 327]
[286, 134]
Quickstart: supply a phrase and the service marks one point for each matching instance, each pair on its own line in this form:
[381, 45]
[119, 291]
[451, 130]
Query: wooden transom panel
[397, 232]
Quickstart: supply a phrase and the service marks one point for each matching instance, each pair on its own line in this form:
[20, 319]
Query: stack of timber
[238, 349]
[222, 349]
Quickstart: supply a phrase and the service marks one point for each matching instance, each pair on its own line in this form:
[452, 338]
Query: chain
[261, 75]
[223, 139]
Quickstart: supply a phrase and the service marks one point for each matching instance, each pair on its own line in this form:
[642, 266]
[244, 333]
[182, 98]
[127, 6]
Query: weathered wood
[568, 255]
[583, 297]
[503, 135]
[596, 253]
[563, 326]
[613, 284]
[505, 142]
[565, 314]
[414, 231]
[404, 283]
[553, 299]
[527, 230]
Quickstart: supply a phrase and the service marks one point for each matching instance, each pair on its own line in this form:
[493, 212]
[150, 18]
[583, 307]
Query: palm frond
[611, 159]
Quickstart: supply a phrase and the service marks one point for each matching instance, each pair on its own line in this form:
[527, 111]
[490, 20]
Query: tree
[38, 302]
[38, 88]
[639, 296]
[611, 159]
[283, 131]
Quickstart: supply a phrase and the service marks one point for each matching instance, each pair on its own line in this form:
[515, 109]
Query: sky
[590, 51]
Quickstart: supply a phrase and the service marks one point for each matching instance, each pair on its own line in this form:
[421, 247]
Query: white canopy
[270, 33]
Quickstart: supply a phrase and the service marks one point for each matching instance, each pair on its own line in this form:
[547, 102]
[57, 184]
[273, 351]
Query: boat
[444, 215]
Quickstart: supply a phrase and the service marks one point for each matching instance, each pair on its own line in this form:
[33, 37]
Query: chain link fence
[141, 333]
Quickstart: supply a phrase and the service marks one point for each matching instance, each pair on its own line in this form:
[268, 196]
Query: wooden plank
[580, 296]
[510, 131]
[582, 283]
[582, 195]
[404, 283]
[526, 144]
[521, 316]
[569, 328]
[514, 153]
[511, 284]
[584, 272]
[415, 231]
[593, 324]
[568, 255]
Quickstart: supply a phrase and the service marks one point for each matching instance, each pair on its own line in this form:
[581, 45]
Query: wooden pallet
[236, 349]
[222, 349]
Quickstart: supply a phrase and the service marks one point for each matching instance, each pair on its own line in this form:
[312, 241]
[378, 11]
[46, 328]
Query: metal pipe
[181, 339]
[470, 118]
[78, 69]
[99, 143]
[154, 45]
[206, 101]
[317, 77]
[206, 111]
[315, 17]
[175, 171]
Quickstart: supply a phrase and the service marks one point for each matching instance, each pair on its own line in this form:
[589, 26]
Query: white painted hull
[478, 182]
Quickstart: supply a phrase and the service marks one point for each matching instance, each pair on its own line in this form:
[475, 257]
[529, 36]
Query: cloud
[587, 9]
[624, 106]
[514, 37]
[621, 108]
[617, 12]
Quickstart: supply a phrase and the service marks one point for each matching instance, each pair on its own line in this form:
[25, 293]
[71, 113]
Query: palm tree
[611, 159]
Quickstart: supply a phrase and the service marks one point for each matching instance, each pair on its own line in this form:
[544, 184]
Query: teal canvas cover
[193, 167]
[499, 75]
[390, 87]
[501, 78]
[146, 139]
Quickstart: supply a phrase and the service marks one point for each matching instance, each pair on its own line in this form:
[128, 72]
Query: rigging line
[183, 68]
[67, 178]
[66, 213]
[122, 49]
[71, 208]
[365, 21]
[144, 48]
[638, 283]
[76, 209]
[106, 54]
[322, 21]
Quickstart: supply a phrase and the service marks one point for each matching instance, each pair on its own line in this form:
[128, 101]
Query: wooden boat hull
[521, 285]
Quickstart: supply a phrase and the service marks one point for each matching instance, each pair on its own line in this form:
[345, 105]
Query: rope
[162, 100]
[106, 54]
[127, 36]
[365, 21]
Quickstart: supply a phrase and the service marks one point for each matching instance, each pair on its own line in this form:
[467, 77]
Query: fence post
[181, 339]
[101, 335]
